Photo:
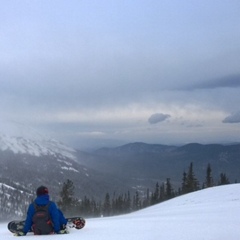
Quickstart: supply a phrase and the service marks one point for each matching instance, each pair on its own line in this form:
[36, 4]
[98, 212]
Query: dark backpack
[42, 223]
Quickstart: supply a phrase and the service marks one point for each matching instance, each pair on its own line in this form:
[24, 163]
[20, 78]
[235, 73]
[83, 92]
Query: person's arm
[62, 219]
[28, 222]
[55, 217]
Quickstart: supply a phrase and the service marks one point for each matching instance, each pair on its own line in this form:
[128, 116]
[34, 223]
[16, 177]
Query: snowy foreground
[210, 214]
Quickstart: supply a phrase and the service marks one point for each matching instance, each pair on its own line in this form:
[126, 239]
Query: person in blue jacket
[58, 220]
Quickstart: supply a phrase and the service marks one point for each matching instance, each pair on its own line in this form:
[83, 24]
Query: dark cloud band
[233, 118]
[158, 117]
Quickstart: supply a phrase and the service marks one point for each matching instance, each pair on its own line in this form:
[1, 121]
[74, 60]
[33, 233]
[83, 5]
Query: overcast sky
[154, 71]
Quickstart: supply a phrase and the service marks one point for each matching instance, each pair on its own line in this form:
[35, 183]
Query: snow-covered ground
[210, 214]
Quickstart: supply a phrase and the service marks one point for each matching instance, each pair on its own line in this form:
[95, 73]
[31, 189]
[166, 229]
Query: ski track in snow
[210, 214]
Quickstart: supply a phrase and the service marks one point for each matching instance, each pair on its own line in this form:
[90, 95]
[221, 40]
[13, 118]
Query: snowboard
[16, 226]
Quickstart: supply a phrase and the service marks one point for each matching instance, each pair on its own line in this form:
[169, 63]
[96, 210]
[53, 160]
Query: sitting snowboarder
[43, 216]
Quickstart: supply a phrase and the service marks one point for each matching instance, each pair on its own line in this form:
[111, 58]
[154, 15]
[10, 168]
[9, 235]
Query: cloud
[158, 117]
[230, 81]
[233, 118]
[192, 124]
[91, 134]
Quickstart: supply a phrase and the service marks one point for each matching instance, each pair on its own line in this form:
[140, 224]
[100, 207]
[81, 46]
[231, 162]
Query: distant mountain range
[29, 162]
[145, 164]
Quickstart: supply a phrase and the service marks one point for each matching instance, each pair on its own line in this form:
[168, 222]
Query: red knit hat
[42, 190]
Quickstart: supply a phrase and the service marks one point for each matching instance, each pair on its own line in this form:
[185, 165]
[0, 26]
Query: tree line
[14, 200]
[126, 203]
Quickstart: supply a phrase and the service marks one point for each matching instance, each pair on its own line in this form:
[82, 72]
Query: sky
[208, 214]
[91, 72]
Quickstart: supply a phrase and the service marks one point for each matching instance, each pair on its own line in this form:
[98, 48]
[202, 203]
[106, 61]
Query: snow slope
[210, 214]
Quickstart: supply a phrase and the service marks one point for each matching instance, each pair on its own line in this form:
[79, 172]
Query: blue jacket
[53, 211]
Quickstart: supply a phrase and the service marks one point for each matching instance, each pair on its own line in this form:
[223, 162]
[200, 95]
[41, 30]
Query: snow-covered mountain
[36, 147]
[210, 214]
[20, 138]
[30, 159]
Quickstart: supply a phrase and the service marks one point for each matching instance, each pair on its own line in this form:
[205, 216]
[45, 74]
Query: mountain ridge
[132, 166]
[157, 162]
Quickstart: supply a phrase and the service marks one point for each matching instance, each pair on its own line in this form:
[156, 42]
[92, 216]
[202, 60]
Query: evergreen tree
[156, 194]
[67, 201]
[162, 194]
[127, 203]
[107, 205]
[120, 204]
[136, 201]
[85, 207]
[184, 183]
[169, 189]
[209, 179]
[146, 201]
[95, 210]
[223, 179]
[191, 182]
